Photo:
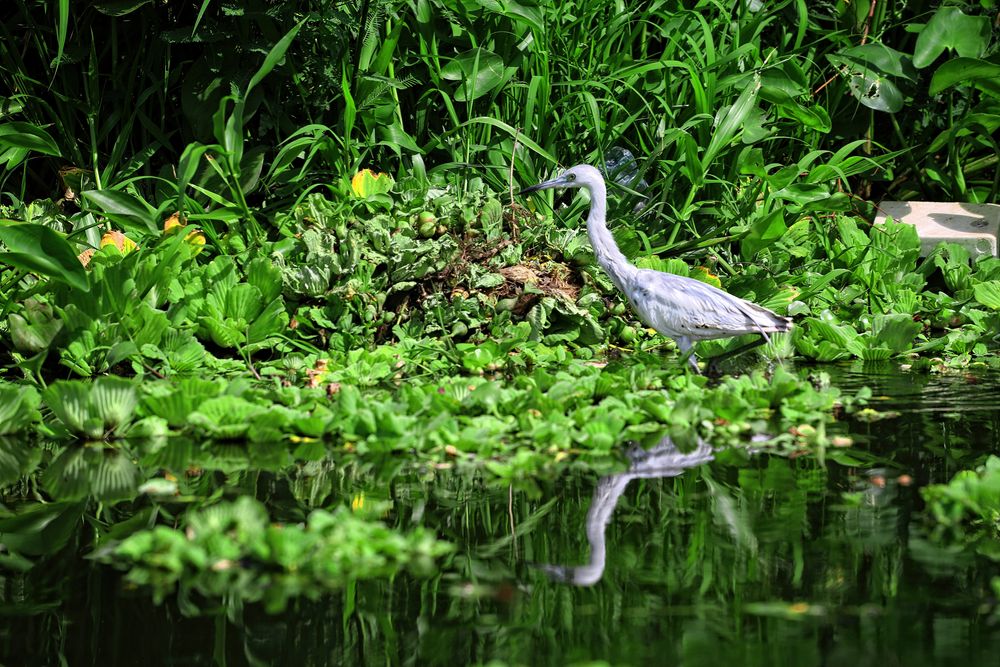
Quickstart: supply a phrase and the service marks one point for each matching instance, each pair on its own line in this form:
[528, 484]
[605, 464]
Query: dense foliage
[290, 223]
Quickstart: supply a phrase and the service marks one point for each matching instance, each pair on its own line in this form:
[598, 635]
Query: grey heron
[684, 309]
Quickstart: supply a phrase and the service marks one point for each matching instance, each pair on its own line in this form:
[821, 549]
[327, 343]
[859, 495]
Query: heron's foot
[693, 362]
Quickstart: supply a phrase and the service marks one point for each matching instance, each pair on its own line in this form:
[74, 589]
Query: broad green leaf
[979, 123]
[69, 401]
[764, 231]
[225, 417]
[35, 327]
[988, 293]
[814, 116]
[41, 250]
[777, 87]
[120, 207]
[674, 265]
[756, 128]
[266, 277]
[243, 303]
[271, 321]
[882, 58]
[963, 70]
[875, 91]
[751, 161]
[222, 332]
[396, 137]
[730, 123]
[894, 332]
[113, 400]
[188, 165]
[479, 71]
[29, 137]
[875, 354]
[18, 410]
[950, 28]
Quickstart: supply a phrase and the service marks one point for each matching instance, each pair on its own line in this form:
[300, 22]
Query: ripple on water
[908, 391]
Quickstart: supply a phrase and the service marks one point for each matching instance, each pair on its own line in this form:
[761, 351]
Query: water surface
[696, 558]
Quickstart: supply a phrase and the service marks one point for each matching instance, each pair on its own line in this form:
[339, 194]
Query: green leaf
[113, 400]
[39, 249]
[881, 58]
[963, 70]
[222, 333]
[732, 121]
[801, 194]
[28, 136]
[894, 332]
[120, 207]
[62, 31]
[988, 293]
[479, 71]
[42, 528]
[18, 410]
[271, 321]
[950, 28]
[34, 328]
[69, 401]
[764, 231]
[188, 165]
[815, 117]
[119, 7]
[274, 56]
[266, 277]
[875, 91]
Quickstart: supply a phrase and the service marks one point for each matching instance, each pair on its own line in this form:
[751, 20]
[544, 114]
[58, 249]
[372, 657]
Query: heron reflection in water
[685, 309]
[662, 460]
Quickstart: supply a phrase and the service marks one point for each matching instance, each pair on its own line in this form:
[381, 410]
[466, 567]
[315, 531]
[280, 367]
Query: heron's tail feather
[764, 320]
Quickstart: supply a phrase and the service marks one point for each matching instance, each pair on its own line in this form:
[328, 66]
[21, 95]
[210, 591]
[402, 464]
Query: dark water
[755, 560]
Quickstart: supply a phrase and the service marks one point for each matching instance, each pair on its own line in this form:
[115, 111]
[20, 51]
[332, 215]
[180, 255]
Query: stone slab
[973, 226]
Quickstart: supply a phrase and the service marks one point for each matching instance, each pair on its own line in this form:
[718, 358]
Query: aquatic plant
[232, 549]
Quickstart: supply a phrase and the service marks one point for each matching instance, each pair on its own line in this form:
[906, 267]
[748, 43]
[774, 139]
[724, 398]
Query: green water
[740, 559]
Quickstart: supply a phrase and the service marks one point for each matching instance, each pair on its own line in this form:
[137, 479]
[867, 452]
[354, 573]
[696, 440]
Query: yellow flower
[123, 243]
[358, 501]
[172, 223]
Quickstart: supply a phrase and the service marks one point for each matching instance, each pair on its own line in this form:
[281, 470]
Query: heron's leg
[687, 352]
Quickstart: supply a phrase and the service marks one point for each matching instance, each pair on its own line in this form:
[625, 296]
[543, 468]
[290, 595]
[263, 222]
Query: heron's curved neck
[608, 255]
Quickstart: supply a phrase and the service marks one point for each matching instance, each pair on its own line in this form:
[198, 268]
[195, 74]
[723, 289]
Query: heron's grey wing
[684, 306]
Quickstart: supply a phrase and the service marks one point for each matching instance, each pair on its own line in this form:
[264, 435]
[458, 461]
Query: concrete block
[974, 226]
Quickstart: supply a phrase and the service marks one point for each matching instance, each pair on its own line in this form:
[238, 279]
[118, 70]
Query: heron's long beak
[554, 183]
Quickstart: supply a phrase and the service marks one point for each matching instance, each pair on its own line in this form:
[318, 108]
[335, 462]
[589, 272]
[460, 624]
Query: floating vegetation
[282, 354]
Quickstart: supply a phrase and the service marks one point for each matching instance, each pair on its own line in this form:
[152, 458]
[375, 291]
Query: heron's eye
[570, 177]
